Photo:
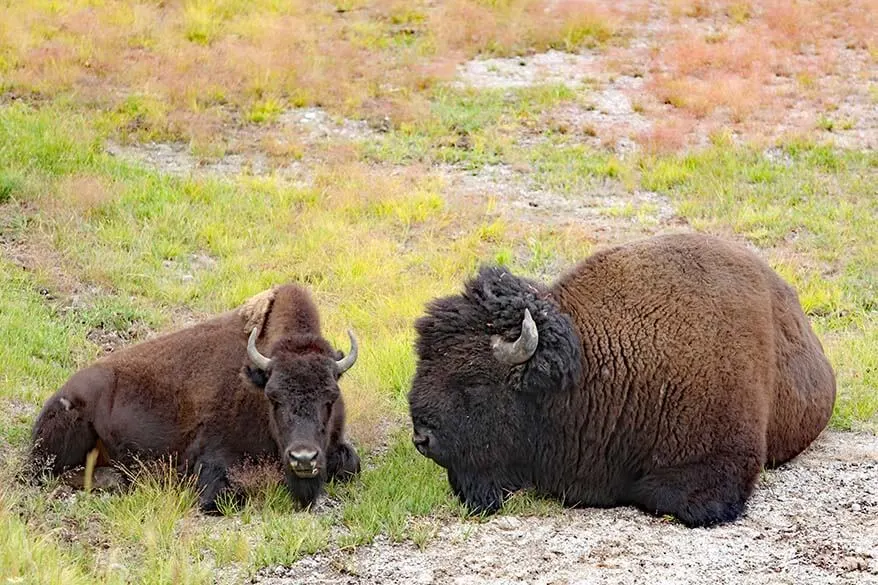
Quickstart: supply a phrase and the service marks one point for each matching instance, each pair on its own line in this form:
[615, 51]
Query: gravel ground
[814, 521]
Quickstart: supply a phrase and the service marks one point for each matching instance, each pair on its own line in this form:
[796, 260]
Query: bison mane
[495, 300]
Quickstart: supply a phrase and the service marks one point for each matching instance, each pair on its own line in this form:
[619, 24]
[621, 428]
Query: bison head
[486, 359]
[300, 381]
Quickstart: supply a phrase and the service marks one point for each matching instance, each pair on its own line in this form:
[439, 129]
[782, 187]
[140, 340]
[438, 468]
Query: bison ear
[258, 377]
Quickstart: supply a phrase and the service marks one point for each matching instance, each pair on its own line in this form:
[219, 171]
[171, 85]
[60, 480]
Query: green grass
[469, 128]
[30, 557]
[389, 497]
[570, 169]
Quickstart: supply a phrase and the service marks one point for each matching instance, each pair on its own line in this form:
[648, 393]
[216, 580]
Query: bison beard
[304, 491]
[663, 374]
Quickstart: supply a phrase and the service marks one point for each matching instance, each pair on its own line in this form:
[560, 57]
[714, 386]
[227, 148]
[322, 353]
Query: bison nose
[422, 442]
[303, 457]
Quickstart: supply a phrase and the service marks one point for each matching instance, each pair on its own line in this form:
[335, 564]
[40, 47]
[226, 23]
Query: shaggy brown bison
[208, 397]
[663, 374]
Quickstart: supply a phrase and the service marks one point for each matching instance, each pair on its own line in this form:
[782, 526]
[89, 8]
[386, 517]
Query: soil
[608, 212]
[812, 521]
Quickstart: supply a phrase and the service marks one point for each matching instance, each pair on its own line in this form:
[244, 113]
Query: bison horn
[520, 350]
[259, 360]
[345, 363]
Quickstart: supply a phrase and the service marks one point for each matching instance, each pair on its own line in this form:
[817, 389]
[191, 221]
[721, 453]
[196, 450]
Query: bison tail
[61, 439]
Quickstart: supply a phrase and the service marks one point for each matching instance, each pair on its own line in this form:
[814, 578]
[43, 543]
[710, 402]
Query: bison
[207, 397]
[662, 374]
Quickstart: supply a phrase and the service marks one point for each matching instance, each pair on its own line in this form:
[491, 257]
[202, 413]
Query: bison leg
[342, 462]
[479, 495]
[212, 482]
[62, 437]
[699, 494]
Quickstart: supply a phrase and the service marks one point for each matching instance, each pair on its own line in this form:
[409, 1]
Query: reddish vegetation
[757, 67]
[193, 67]
[201, 61]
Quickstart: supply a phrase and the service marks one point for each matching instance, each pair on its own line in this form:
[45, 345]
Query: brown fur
[668, 372]
[189, 395]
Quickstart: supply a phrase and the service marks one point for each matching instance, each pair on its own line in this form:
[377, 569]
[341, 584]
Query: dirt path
[814, 521]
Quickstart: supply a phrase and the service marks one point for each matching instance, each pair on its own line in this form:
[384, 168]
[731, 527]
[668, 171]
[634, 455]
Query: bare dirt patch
[813, 521]
[551, 67]
[609, 118]
[177, 159]
[288, 146]
[606, 210]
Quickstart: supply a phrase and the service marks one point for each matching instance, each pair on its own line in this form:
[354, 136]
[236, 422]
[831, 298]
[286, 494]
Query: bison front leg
[342, 462]
[708, 492]
[479, 494]
[212, 481]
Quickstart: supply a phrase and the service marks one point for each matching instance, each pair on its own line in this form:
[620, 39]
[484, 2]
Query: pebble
[508, 523]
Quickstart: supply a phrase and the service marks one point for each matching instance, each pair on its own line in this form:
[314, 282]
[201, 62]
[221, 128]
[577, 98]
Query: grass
[467, 127]
[94, 246]
[29, 557]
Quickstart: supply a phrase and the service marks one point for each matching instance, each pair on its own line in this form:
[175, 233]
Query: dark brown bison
[206, 396]
[664, 374]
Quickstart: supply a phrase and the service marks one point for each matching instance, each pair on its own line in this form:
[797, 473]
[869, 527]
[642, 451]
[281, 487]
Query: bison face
[486, 360]
[473, 427]
[300, 382]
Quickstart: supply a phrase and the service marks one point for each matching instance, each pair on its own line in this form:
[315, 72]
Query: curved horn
[259, 360]
[345, 363]
[520, 350]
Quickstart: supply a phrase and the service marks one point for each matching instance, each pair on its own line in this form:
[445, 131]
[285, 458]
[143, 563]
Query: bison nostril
[303, 456]
[422, 442]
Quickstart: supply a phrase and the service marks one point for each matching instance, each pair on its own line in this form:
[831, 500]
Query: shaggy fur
[668, 373]
[193, 395]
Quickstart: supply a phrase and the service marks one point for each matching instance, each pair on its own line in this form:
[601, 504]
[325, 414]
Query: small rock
[508, 523]
[854, 564]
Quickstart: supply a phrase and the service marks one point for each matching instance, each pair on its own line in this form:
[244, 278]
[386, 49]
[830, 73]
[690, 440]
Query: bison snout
[304, 461]
[424, 442]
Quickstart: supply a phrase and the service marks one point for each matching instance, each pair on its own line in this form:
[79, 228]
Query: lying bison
[208, 397]
[663, 374]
